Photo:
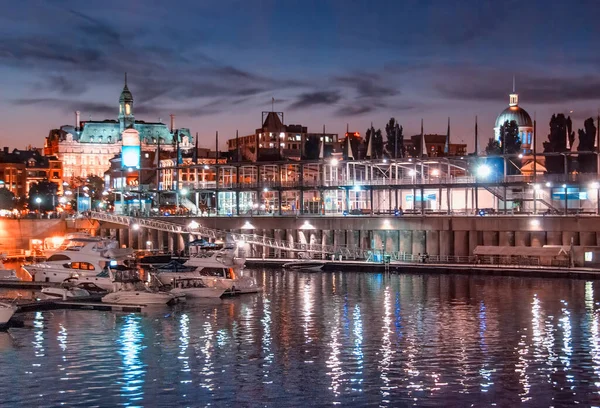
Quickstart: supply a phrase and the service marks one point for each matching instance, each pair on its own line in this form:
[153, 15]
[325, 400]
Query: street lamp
[38, 201]
[484, 171]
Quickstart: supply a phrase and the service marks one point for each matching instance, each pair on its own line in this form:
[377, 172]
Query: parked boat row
[88, 267]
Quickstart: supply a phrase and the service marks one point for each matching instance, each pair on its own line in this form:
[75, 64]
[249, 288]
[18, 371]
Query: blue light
[131, 156]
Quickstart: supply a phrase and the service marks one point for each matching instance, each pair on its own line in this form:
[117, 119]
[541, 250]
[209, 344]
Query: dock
[17, 284]
[42, 305]
[440, 268]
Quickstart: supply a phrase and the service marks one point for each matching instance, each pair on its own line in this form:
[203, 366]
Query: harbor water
[321, 339]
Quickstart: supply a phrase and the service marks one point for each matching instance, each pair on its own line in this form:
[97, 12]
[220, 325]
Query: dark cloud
[355, 110]
[368, 85]
[310, 99]
[492, 85]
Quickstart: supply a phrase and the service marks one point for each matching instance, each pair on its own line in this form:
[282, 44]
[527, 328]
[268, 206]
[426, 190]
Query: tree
[493, 148]
[560, 133]
[377, 146]
[46, 192]
[510, 144]
[393, 132]
[7, 199]
[587, 137]
[311, 147]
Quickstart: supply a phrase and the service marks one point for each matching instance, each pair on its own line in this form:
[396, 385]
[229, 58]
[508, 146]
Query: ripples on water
[321, 339]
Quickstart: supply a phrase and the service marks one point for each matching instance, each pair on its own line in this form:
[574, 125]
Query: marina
[334, 337]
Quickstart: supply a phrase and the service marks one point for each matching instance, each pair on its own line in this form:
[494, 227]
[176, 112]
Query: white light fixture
[595, 185]
[536, 187]
[356, 188]
[206, 167]
[247, 226]
[148, 243]
[520, 155]
[307, 226]
[412, 173]
[564, 186]
[135, 227]
[435, 172]
[535, 223]
[38, 200]
[386, 224]
[183, 191]
[265, 189]
[334, 162]
[193, 225]
[548, 184]
[241, 243]
[384, 161]
[484, 171]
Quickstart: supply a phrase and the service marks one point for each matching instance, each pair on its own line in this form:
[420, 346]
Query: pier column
[446, 243]
[122, 237]
[392, 241]
[406, 241]
[278, 234]
[567, 235]
[475, 239]
[418, 242]
[160, 240]
[378, 240]
[522, 238]
[506, 238]
[490, 238]
[170, 242]
[113, 232]
[587, 238]
[432, 239]
[461, 243]
[290, 237]
[132, 239]
[538, 238]
[365, 239]
[180, 242]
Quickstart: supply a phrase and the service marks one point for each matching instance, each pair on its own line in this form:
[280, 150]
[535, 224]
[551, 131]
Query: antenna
[514, 87]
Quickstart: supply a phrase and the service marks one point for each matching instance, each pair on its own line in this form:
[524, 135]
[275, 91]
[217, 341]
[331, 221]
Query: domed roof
[515, 113]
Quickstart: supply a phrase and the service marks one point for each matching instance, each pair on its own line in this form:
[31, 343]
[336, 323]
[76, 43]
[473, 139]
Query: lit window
[282, 144]
[588, 257]
[282, 135]
[127, 109]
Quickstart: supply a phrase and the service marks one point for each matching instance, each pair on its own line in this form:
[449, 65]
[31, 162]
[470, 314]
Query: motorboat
[219, 269]
[65, 292]
[195, 288]
[7, 311]
[128, 289]
[80, 256]
[305, 265]
[7, 274]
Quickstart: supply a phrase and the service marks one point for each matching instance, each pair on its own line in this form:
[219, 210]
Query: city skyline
[216, 71]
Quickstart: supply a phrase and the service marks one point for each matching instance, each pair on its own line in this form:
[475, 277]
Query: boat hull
[6, 313]
[138, 298]
[196, 293]
[304, 266]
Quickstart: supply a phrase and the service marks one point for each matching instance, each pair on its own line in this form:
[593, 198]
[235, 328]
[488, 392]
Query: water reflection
[131, 341]
[323, 339]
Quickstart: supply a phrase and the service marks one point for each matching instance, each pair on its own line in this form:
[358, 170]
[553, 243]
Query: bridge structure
[195, 229]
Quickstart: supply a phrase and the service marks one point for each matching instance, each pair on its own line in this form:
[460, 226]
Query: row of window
[84, 266]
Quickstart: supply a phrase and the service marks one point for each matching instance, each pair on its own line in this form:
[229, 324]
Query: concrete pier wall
[435, 235]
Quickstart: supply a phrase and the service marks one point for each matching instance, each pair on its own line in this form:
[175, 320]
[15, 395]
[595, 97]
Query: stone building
[87, 148]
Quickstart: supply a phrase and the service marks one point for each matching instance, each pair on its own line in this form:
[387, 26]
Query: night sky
[217, 64]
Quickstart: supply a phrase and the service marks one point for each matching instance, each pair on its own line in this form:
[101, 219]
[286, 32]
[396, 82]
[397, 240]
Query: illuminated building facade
[87, 148]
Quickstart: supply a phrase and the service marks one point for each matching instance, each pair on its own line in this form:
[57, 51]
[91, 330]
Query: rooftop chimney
[172, 122]
[77, 120]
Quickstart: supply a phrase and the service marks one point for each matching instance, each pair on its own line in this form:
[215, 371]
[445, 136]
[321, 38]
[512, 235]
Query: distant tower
[126, 118]
[519, 115]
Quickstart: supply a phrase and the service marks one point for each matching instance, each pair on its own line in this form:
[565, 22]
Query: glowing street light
[435, 172]
[535, 223]
[193, 225]
[135, 227]
[334, 162]
[412, 173]
[38, 201]
[183, 192]
[484, 171]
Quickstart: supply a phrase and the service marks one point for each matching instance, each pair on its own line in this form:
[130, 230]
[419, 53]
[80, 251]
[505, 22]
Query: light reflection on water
[322, 339]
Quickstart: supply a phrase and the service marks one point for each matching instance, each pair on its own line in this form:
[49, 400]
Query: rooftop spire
[513, 82]
[514, 97]
[126, 80]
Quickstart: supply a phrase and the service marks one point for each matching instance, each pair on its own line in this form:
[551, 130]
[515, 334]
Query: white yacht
[195, 288]
[78, 256]
[219, 269]
[65, 292]
[128, 289]
[7, 311]
[7, 274]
